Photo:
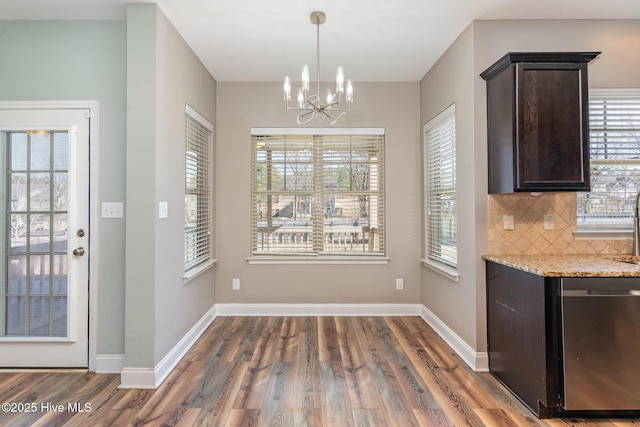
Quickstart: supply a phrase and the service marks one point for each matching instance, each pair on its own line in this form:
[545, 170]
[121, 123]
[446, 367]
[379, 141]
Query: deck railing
[353, 239]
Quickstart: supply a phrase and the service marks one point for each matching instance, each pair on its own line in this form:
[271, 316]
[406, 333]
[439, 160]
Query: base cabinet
[522, 315]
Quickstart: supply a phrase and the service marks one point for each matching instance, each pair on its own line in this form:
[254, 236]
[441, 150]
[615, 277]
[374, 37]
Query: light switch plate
[163, 210]
[112, 210]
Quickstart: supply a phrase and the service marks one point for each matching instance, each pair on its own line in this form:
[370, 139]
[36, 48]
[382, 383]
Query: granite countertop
[571, 265]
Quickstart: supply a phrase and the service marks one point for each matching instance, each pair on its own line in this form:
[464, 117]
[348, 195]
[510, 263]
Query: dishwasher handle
[600, 293]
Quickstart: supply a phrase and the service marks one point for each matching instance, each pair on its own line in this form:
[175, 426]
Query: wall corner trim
[151, 378]
[477, 361]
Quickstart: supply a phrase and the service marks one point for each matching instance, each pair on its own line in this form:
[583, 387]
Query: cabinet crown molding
[539, 57]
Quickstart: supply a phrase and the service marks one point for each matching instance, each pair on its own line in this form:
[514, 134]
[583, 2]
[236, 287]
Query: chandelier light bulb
[287, 88]
[330, 97]
[305, 78]
[339, 80]
[349, 91]
[300, 98]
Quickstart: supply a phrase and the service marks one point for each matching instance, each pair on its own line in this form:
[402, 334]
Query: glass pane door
[35, 234]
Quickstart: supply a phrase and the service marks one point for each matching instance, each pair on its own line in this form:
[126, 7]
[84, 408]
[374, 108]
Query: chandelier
[310, 105]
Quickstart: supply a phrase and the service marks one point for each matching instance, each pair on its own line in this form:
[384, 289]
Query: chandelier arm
[331, 122]
[301, 119]
[307, 112]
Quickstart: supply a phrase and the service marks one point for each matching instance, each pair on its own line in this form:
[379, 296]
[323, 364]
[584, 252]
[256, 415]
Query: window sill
[317, 259]
[198, 270]
[603, 233]
[447, 271]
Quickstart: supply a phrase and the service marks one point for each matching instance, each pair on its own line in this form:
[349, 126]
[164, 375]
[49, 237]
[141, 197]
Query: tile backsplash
[529, 235]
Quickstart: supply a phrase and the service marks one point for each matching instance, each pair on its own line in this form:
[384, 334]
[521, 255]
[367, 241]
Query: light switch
[163, 210]
[112, 210]
[549, 222]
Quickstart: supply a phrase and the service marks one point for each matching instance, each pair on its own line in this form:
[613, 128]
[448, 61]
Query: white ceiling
[374, 40]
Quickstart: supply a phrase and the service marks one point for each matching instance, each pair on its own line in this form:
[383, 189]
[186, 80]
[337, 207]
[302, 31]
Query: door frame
[94, 219]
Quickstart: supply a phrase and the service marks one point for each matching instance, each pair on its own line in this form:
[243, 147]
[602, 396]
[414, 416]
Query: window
[197, 192]
[318, 192]
[440, 189]
[614, 129]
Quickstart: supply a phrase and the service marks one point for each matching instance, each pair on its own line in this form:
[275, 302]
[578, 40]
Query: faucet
[636, 224]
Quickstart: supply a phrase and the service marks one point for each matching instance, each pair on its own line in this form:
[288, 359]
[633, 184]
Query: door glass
[34, 295]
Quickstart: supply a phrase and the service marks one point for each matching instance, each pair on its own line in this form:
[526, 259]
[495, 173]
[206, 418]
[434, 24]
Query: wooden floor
[288, 371]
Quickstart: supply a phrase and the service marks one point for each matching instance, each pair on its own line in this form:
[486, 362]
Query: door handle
[78, 251]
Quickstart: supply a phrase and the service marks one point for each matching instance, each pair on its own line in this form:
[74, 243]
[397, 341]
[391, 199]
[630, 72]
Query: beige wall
[456, 78]
[450, 81]
[241, 106]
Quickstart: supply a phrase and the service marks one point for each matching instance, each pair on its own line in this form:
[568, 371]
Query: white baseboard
[138, 378]
[478, 361]
[151, 378]
[318, 309]
[109, 363]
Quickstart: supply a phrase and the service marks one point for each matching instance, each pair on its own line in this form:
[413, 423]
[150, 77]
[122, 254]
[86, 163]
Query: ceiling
[374, 40]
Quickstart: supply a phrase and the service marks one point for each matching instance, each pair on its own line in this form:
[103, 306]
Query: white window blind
[197, 195]
[614, 146]
[440, 187]
[318, 194]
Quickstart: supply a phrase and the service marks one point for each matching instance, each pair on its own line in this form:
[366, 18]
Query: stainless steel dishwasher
[601, 343]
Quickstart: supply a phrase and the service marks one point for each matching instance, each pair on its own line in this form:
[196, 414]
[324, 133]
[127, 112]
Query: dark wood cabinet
[523, 336]
[537, 112]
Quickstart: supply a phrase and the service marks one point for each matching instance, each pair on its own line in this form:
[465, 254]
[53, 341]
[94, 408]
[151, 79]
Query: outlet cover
[236, 284]
[508, 222]
[549, 222]
[399, 284]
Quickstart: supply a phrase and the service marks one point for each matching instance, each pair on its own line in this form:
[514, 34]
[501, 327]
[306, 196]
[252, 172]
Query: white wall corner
[477, 361]
[109, 363]
[148, 378]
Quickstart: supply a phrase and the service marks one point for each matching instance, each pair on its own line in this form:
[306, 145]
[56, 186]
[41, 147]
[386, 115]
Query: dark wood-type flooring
[290, 371]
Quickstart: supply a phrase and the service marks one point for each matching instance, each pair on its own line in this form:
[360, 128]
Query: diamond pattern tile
[529, 235]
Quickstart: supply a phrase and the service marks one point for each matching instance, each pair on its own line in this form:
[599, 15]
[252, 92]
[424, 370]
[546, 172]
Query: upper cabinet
[538, 130]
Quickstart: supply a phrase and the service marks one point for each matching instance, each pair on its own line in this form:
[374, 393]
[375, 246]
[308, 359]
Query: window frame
[445, 266]
[314, 256]
[606, 228]
[202, 190]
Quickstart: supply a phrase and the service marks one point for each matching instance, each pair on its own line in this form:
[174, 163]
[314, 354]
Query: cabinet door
[517, 332]
[552, 127]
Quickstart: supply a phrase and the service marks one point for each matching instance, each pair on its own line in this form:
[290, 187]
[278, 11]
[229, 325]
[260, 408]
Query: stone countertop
[571, 265]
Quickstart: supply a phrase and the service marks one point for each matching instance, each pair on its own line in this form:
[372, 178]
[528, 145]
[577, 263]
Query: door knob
[78, 251]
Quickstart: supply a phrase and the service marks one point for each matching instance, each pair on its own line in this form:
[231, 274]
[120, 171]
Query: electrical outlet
[236, 284]
[549, 222]
[399, 284]
[507, 222]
